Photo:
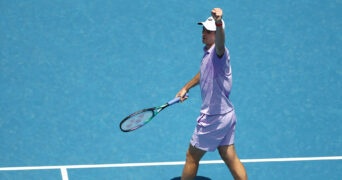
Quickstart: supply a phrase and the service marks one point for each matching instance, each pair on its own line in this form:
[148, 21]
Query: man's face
[208, 37]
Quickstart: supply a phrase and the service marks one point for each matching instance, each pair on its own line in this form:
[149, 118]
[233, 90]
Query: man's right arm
[193, 82]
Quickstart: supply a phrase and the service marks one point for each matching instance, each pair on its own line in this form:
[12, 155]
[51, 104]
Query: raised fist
[217, 14]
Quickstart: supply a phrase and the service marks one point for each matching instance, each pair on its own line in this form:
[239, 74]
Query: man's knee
[194, 155]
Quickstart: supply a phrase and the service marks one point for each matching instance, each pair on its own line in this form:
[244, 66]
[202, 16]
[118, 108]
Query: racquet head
[136, 120]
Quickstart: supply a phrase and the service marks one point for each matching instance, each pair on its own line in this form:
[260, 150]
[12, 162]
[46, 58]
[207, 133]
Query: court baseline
[64, 171]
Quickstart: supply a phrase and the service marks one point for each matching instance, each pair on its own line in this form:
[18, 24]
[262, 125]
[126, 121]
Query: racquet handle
[176, 99]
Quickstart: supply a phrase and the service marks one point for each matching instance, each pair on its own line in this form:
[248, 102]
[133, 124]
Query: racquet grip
[176, 99]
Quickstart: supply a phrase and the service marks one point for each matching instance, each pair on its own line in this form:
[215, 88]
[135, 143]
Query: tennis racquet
[142, 117]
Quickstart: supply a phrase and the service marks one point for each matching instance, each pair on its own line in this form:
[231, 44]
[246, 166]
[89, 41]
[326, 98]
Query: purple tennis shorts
[213, 131]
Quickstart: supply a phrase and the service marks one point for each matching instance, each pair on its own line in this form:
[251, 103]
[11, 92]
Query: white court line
[64, 168]
[64, 173]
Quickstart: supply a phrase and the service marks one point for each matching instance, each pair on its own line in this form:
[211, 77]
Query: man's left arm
[217, 14]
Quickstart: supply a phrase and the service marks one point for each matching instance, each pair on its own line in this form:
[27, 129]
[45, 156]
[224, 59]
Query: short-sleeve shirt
[215, 82]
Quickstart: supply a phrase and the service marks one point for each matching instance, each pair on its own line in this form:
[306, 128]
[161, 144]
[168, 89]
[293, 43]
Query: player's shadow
[197, 178]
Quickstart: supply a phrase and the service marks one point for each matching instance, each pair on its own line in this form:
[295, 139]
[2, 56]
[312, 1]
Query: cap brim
[209, 26]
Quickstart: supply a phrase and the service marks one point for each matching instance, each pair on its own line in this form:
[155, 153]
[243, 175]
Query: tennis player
[216, 124]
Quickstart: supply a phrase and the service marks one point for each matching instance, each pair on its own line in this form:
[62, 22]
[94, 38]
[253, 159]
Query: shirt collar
[210, 50]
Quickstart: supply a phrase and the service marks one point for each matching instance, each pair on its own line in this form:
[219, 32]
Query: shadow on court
[197, 178]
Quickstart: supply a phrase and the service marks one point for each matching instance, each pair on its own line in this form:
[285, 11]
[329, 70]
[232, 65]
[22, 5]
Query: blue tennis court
[71, 70]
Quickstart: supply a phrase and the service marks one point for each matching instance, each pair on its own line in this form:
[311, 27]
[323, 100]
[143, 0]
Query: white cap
[209, 24]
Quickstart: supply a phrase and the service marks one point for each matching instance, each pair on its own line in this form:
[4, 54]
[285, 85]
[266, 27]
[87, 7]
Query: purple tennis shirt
[215, 83]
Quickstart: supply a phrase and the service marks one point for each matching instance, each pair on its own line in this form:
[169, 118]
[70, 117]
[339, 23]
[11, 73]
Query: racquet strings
[136, 120]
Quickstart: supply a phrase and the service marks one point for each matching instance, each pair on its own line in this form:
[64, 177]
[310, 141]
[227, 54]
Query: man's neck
[208, 46]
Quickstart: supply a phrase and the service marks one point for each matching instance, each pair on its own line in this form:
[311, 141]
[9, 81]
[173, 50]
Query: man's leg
[234, 164]
[193, 156]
